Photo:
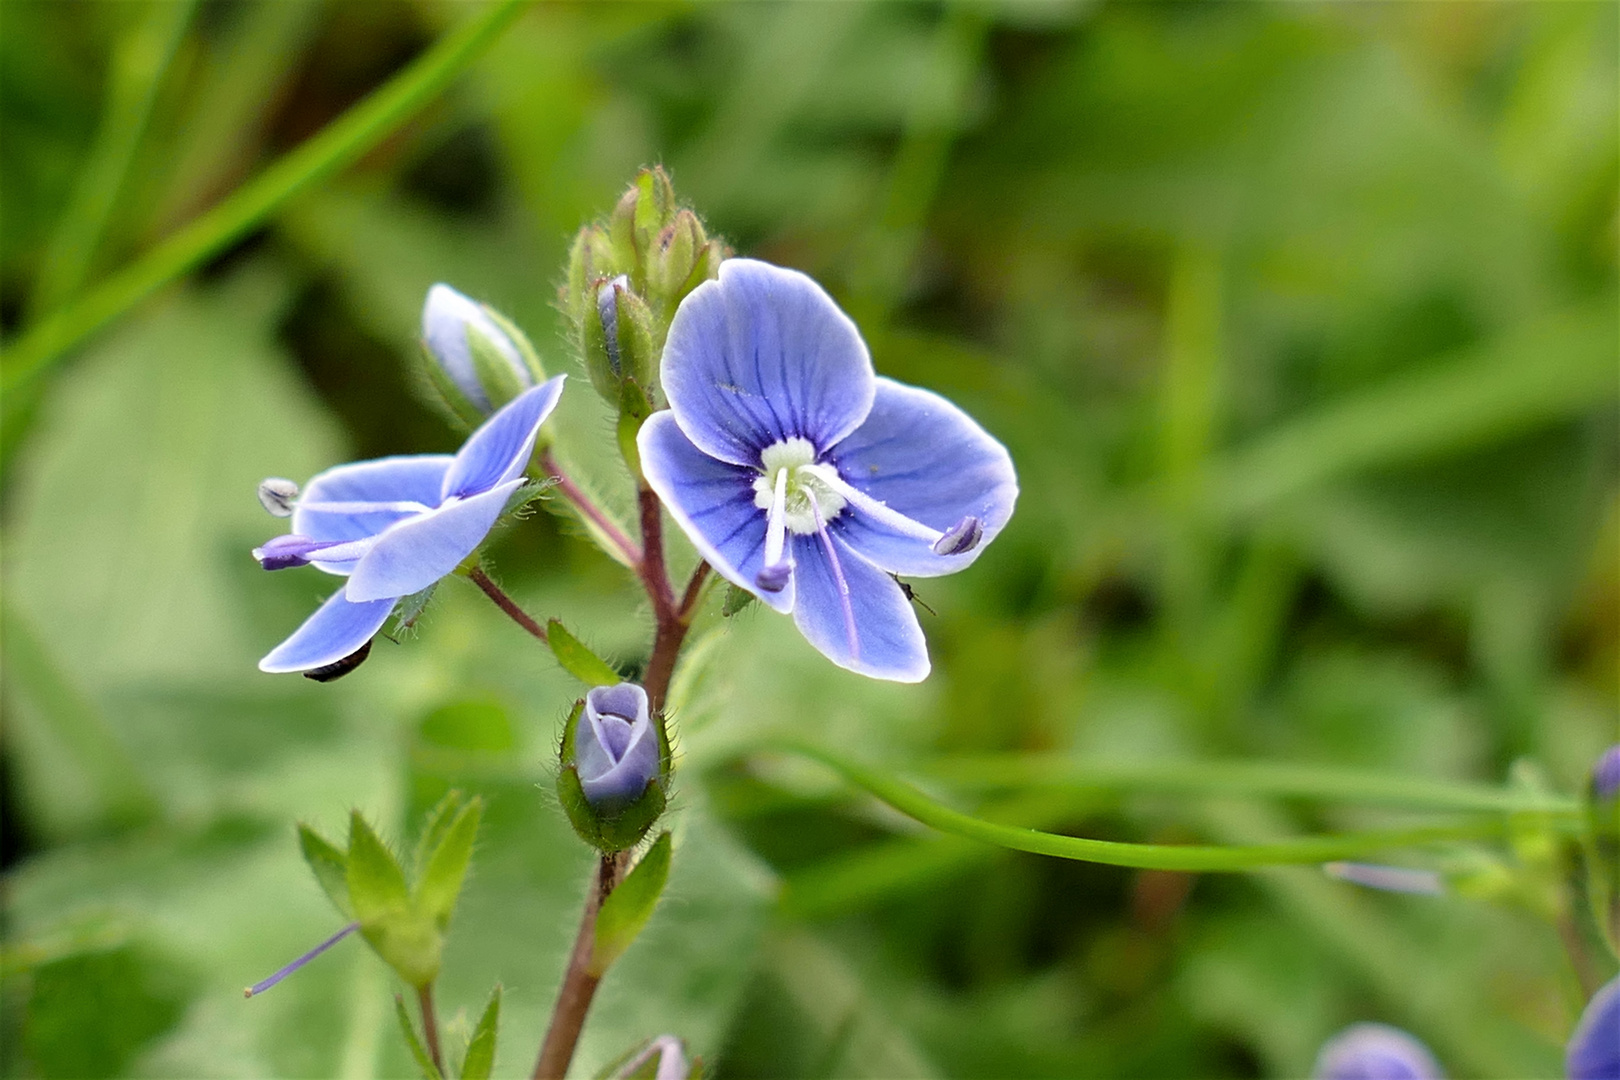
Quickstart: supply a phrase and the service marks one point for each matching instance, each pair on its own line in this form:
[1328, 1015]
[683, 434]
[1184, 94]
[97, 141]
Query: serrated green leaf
[577, 660]
[446, 866]
[418, 1051]
[376, 882]
[434, 826]
[329, 865]
[628, 907]
[480, 1059]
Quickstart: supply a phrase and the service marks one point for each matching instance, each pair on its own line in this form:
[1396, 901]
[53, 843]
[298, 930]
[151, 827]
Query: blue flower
[1375, 1052]
[1594, 1049]
[615, 747]
[1606, 774]
[805, 479]
[396, 525]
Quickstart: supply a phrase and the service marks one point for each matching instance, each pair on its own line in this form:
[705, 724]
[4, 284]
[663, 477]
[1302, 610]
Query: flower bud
[1594, 1048]
[476, 359]
[618, 339]
[615, 767]
[1375, 1052]
[663, 1058]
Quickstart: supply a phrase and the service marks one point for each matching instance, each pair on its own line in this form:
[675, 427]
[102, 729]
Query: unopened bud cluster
[627, 276]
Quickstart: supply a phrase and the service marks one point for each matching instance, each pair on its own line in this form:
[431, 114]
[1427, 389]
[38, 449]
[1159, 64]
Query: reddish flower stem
[506, 603]
[588, 509]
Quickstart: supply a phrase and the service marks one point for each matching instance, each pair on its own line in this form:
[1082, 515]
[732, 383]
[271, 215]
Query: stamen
[838, 575]
[261, 987]
[773, 576]
[277, 495]
[960, 538]
[291, 550]
[878, 509]
[1388, 878]
[402, 506]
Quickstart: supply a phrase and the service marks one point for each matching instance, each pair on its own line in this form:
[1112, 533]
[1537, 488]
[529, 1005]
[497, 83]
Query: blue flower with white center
[397, 525]
[808, 481]
[1375, 1052]
[1594, 1049]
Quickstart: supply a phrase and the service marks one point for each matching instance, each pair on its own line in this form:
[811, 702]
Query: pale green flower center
[795, 459]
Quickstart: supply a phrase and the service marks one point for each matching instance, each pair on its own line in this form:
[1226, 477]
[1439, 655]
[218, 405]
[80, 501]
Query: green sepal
[457, 404]
[429, 1070]
[480, 1058]
[526, 493]
[410, 609]
[1600, 850]
[628, 907]
[445, 867]
[492, 368]
[330, 866]
[406, 941]
[737, 598]
[578, 660]
[434, 827]
[525, 348]
[634, 408]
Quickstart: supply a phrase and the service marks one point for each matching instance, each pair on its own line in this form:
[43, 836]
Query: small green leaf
[480, 1059]
[330, 866]
[418, 1051]
[446, 866]
[434, 826]
[376, 883]
[578, 660]
[628, 907]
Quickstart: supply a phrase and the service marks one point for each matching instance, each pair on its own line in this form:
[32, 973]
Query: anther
[960, 538]
[774, 578]
[277, 495]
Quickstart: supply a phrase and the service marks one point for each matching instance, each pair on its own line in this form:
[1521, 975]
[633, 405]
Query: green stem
[139, 64]
[1316, 849]
[335, 146]
[1271, 779]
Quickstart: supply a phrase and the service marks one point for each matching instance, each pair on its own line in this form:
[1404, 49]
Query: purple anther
[774, 578]
[960, 538]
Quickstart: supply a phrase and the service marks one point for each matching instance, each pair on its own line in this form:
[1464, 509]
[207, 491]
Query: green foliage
[577, 659]
[1298, 323]
[407, 1027]
[480, 1056]
[628, 907]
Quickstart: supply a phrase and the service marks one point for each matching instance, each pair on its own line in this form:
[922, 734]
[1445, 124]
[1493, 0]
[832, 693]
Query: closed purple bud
[615, 746]
[472, 351]
[1375, 1052]
[607, 309]
[1606, 774]
[1594, 1049]
[960, 538]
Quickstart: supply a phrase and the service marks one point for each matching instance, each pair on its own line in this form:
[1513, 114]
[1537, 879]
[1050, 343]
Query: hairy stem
[589, 510]
[430, 1024]
[694, 592]
[579, 985]
[506, 603]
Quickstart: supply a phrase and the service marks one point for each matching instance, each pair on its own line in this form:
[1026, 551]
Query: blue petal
[447, 317]
[499, 450]
[606, 782]
[415, 553]
[1375, 1052]
[888, 642]
[927, 459]
[337, 629]
[1594, 1049]
[762, 355]
[713, 503]
[413, 479]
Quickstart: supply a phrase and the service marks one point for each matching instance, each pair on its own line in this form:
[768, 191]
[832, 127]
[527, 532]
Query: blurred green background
[1300, 323]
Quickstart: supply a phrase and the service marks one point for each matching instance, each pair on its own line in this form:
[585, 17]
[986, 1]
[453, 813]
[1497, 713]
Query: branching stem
[589, 510]
[579, 985]
[430, 1024]
[506, 603]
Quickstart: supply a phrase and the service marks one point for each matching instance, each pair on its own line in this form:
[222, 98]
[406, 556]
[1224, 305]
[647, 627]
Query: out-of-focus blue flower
[450, 323]
[615, 747]
[663, 1058]
[1375, 1052]
[1594, 1049]
[1606, 774]
[1399, 879]
[396, 525]
[808, 481]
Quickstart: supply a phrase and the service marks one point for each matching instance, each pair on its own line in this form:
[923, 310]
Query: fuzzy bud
[476, 359]
[615, 767]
